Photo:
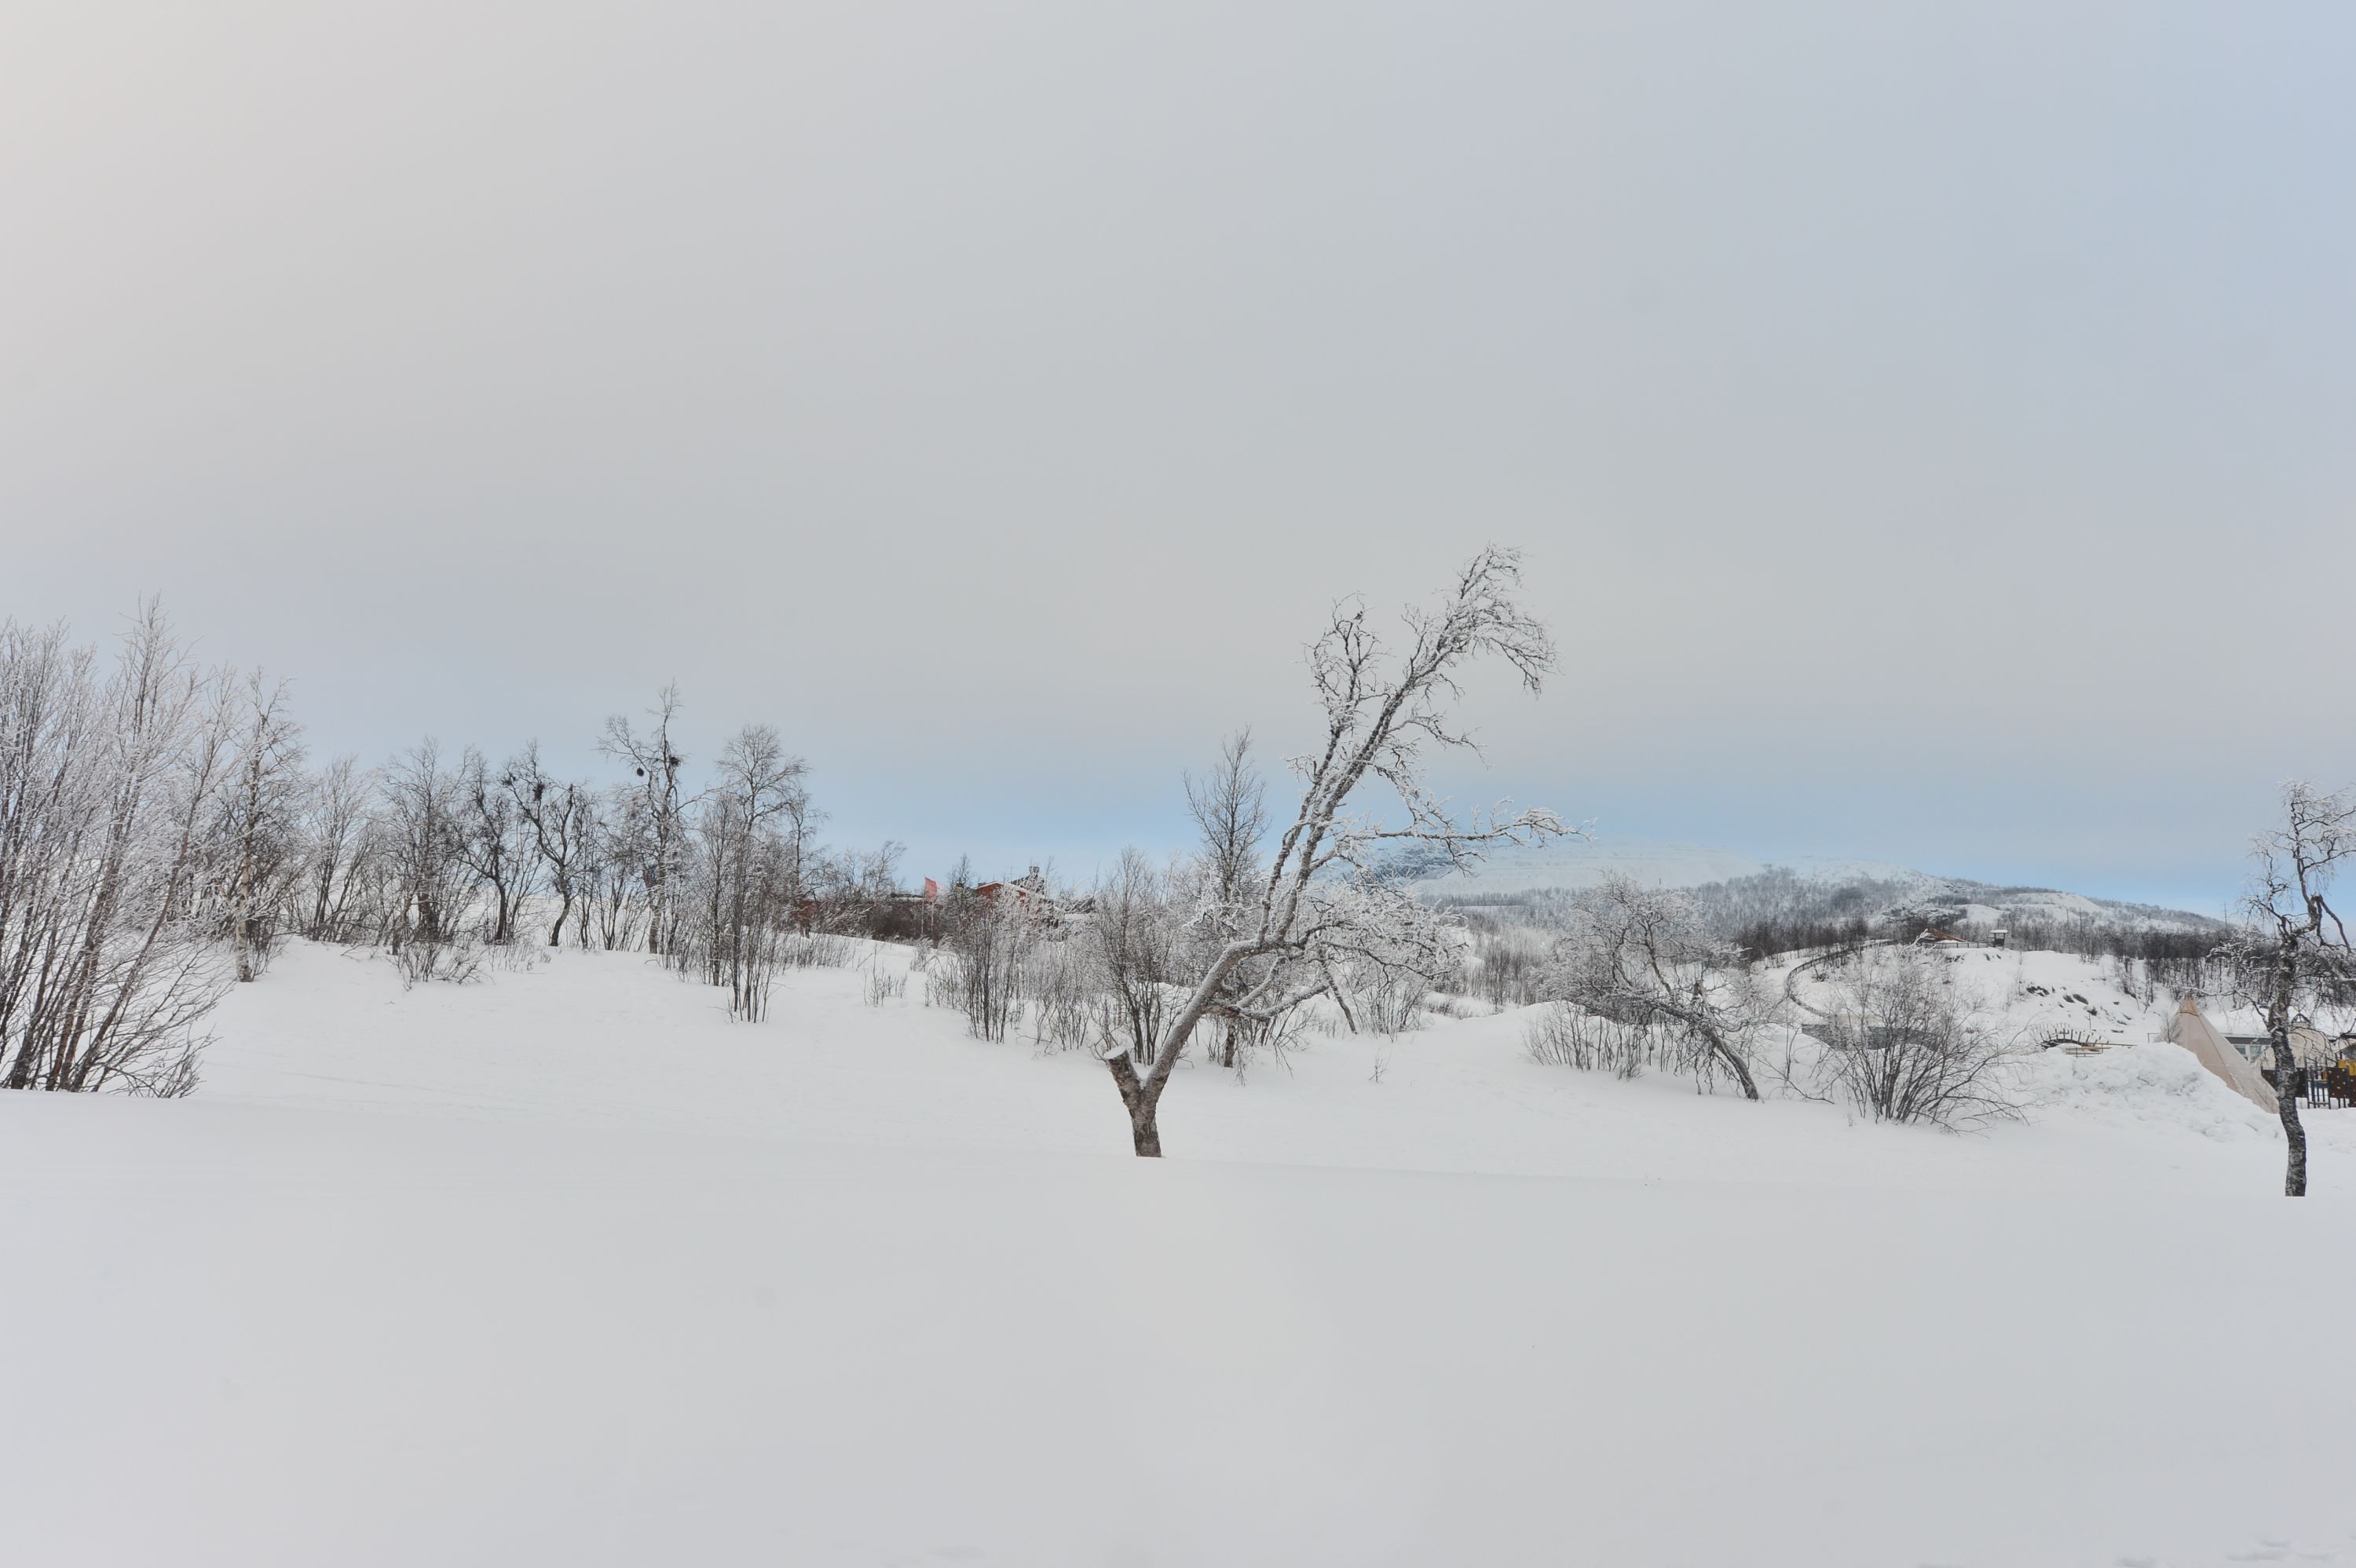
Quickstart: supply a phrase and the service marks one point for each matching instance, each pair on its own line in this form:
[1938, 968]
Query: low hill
[1806, 898]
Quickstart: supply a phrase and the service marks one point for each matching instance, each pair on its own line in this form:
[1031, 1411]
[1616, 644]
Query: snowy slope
[2134, 1080]
[1582, 863]
[565, 1268]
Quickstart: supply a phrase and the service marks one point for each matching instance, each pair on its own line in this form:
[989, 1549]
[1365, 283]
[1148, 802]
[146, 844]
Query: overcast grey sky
[1930, 425]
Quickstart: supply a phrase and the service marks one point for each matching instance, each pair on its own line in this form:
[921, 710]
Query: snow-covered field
[565, 1268]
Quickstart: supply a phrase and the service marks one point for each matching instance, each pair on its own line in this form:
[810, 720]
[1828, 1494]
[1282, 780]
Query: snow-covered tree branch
[1640, 956]
[1324, 901]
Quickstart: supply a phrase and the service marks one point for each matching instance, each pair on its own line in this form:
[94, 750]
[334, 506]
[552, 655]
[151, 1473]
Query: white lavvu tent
[2196, 1034]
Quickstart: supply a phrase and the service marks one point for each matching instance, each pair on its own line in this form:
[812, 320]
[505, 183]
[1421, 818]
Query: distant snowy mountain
[1890, 888]
[1582, 863]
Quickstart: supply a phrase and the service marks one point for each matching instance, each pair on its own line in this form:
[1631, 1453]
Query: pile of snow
[565, 1267]
[2150, 1087]
[2132, 1080]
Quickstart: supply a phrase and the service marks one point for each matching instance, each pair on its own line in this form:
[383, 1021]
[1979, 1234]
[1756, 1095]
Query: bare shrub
[1451, 1006]
[1059, 981]
[881, 985]
[1508, 964]
[1902, 1048]
[1381, 1002]
[1133, 942]
[515, 957]
[755, 956]
[457, 961]
[1274, 1039]
[819, 950]
[979, 969]
[1561, 1035]
[982, 989]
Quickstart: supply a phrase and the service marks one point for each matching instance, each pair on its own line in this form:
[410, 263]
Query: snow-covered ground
[565, 1268]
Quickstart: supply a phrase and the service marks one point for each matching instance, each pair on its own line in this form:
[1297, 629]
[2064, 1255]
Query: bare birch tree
[750, 834]
[2292, 936]
[1135, 948]
[495, 841]
[340, 838]
[562, 819]
[1323, 903]
[107, 795]
[425, 847]
[986, 946]
[651, 826]
[262, 822]
[1903, 1047]
[616, 896]
[1230, 806]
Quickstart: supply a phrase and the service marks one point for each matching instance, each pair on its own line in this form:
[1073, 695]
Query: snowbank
[2154, 1087]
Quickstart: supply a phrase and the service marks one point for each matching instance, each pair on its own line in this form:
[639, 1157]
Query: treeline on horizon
[163, 829]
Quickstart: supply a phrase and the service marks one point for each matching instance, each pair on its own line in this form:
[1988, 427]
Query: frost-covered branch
[1322, 903]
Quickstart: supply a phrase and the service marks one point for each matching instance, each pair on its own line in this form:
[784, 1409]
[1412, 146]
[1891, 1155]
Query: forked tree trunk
[1141, 1098]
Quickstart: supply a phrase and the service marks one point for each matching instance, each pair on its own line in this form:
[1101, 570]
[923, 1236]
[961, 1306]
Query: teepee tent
[2198, 1035]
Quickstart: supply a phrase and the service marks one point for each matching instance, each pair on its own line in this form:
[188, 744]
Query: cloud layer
[1928, 431]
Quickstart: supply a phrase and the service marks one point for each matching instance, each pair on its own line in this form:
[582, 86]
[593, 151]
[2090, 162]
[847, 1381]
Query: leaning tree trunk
[1697, 1020]
[1734, 1063]
[1142, 1099]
